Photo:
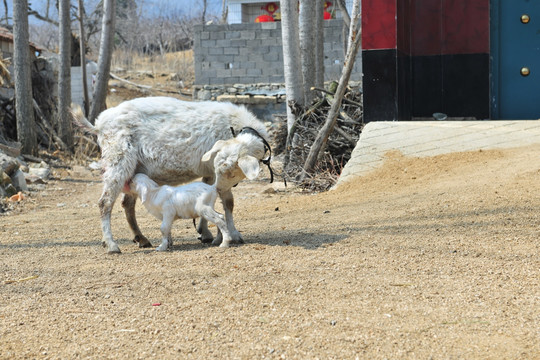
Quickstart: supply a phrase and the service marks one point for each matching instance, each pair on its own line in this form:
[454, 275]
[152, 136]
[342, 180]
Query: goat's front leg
[128, 203]
[228, 205]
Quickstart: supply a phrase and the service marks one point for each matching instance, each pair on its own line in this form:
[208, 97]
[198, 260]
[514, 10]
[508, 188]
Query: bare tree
[203, 15]
[65, 130]
[319, 43]
[104, 60]
[354, 42]
[346, 23]
[224, 11]
[83, 58]
[26, 132]
[307, 47]
[291, 59]
[5, 19]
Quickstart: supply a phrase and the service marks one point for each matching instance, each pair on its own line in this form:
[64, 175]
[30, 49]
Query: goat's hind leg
[128, 203]
[212, 215]
[206, 236]
[118, 170]
[106, 202]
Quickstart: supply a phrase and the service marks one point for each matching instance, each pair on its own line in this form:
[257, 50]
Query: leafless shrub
[340, 144]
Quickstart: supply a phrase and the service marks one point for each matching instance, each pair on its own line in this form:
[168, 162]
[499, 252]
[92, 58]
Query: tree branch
[41, 17]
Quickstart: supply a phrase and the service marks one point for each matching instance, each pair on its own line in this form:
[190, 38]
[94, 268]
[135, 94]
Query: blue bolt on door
[515, 55]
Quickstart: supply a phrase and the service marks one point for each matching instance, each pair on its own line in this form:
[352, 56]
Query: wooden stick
[129, 82]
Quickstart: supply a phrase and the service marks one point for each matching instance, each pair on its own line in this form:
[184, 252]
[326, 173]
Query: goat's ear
[213, 151]
[249, 166]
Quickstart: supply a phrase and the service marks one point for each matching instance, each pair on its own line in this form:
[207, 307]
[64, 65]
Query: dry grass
[180, 63]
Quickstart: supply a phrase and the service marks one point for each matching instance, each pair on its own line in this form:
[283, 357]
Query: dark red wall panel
[465, 27]
[425, 56]
[378, 24]
[426, 27]
[449, 27]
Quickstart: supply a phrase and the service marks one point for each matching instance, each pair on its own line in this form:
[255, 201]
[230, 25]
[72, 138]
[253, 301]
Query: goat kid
[169, 203]
[166, 139]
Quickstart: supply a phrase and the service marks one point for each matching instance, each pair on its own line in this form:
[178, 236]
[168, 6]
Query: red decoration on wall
[326, 14]
[264, 18]
[270, 7]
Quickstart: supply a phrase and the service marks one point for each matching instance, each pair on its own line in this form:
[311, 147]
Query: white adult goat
[169, 203]
[166, 139]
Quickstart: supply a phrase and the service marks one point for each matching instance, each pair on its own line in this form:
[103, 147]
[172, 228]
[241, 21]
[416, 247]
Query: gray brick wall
[252, 53]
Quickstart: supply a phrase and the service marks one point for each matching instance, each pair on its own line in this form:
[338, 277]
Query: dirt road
[424, 258]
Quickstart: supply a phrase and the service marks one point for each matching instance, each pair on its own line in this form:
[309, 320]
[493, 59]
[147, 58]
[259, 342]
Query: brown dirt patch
[423, 258]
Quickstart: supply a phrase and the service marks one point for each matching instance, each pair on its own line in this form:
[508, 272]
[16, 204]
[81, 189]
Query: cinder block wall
[252, 53]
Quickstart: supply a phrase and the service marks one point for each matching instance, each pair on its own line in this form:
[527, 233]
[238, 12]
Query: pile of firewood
[339, 146]
[44, 103]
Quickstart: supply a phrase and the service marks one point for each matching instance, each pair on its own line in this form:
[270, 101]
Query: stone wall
[264, 100]
[252, 53]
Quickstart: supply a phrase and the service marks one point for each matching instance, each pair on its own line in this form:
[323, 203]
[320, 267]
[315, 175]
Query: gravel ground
[424, 258]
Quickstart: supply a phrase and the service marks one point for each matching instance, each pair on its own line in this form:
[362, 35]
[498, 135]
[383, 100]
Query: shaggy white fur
[166, 138]
[169, 203]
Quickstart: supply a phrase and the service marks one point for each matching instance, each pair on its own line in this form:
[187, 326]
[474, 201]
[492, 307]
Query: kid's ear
[249, 166]
[211, 154]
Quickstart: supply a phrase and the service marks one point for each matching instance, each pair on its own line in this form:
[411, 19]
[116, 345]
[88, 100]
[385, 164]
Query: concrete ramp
[430, 138]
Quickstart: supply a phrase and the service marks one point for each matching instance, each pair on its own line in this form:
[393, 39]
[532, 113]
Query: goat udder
[126, 187]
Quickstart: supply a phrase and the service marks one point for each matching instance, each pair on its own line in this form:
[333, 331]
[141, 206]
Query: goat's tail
[80, 121]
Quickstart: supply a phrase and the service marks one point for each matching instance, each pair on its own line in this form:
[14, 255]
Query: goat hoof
[114, 249]
[205, 240]
[142, 241]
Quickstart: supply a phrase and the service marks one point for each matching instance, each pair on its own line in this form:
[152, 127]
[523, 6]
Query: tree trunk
[319, 43]
[354, 43]
[104, 61]
[346, 24]
[83, 58]
[203, 16]
[224, 11]
[26, 133]
[65, 131]
[307, 47]
[291, 59]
